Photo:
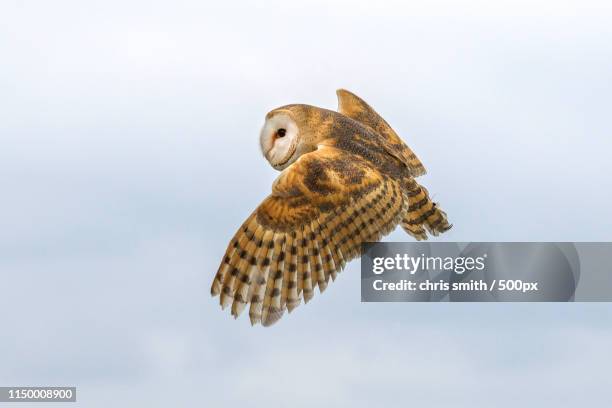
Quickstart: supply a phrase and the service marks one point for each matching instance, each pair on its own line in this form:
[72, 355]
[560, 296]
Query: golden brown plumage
[347, 179]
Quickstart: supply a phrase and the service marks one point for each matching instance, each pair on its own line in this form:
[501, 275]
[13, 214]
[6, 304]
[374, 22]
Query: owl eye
[281, 132]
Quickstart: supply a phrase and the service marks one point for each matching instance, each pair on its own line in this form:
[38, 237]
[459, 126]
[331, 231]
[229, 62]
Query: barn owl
[346, 178]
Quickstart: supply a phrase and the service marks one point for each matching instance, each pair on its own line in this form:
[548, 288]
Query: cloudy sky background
[129, 156]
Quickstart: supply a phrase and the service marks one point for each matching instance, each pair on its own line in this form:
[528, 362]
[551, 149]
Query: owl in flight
[346, 178]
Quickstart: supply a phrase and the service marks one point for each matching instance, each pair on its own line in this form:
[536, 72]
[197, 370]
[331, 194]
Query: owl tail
[423, 215]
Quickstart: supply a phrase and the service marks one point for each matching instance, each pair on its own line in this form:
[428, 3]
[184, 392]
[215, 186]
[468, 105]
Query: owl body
[346, 178]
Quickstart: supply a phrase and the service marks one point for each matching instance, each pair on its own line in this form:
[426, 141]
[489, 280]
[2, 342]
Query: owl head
[289, 132]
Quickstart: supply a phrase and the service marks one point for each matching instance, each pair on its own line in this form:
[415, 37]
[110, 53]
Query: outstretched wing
[321, 209]
[355, 108]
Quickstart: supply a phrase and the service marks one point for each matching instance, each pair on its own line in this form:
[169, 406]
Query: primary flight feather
[347, 178]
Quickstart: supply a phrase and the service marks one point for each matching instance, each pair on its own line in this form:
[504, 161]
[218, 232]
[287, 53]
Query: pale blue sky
[129, 156]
